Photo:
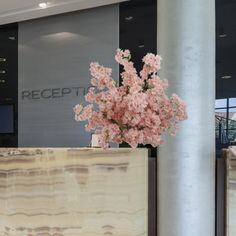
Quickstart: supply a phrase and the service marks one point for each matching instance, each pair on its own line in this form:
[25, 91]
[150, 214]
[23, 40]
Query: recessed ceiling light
[222, 35]
[226, 77]
[43, 5]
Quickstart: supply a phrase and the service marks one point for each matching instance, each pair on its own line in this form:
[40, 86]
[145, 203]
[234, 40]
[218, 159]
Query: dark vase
[152, 151]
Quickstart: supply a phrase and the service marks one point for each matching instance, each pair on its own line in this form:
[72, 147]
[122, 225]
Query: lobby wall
[54, 56]
[8, 85]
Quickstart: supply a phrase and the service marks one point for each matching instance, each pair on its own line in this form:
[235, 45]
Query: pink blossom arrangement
[138, 111]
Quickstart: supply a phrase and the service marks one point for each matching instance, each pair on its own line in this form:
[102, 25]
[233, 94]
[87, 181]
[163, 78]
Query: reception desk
[73, 192]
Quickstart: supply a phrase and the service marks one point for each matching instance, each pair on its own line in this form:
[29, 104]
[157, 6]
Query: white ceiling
[20, 10]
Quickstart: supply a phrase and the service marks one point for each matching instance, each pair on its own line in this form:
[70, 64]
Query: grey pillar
[186, 165]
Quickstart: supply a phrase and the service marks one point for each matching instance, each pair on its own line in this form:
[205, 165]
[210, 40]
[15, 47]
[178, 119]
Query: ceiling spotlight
[222, 35]
[226, 77]
[43, 5]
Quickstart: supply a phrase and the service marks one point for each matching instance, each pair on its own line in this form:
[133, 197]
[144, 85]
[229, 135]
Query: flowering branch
[138, 111]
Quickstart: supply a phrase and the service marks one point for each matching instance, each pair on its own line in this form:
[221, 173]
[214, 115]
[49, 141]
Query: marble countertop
[73, 191]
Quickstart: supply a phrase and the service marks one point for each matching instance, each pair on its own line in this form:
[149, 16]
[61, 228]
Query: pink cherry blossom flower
[153, 61]
[85, 114]
[77, 109]
[138, 111]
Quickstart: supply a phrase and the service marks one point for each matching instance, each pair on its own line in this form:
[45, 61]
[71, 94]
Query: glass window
[219, 103]
[232, 113]
[232, 102]
[221, 113]
[232, 135]
[232, 122]
[226, 128]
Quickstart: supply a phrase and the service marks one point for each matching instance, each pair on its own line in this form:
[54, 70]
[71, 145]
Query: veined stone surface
[231, 192]
[73, 192]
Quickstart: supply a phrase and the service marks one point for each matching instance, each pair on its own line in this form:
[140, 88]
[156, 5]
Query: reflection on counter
[86, 192]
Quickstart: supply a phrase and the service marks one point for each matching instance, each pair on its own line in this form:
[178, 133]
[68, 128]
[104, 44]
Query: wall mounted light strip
[2, 72]
[2, 59]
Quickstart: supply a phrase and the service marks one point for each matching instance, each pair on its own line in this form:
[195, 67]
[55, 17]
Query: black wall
[225, 48]
[138, 28]
[138, 33]
[9, 78]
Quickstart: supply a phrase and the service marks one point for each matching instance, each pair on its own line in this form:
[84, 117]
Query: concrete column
[186, 163]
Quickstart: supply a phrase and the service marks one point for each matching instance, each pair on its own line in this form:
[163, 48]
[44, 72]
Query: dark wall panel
[8, 85]
[138, 28]
[138, 33]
